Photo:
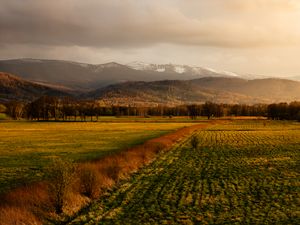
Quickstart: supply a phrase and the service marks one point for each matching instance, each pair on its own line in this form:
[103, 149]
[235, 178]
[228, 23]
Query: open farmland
[243, 172]
[27, 147]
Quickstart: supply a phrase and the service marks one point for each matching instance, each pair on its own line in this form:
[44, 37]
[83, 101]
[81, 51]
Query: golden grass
[241, 172]
[31, 203]
[26, 148]
[22, 205]
[11, 215]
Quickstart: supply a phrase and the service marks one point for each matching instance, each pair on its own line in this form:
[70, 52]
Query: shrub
[195, 141]
[89, 180]
[143, 156]
[17, 215]
[61, 175]
[158, 147]
[113, 170]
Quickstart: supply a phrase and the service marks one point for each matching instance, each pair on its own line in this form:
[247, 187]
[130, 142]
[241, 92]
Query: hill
[297, 78]
[82, 76]
[270, 89]
[15, 88]
[215, 89]
[192, 72]
[229, 89]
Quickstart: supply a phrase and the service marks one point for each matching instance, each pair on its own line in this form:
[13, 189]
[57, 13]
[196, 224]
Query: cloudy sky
[244, 36]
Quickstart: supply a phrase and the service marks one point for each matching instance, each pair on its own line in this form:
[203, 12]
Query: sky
[244, 36]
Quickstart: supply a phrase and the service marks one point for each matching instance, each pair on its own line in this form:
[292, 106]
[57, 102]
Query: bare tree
[15, 109]
[61, 174]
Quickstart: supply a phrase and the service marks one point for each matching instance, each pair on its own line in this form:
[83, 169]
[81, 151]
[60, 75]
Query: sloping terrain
[271, 89]
[215, 89]
[231, 90]
[295, 78]
[15, 88]
[84, 76]
[240, 173]
[185, 70]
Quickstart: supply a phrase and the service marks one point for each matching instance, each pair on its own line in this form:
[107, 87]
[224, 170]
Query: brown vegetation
[21, 205]
[32, 204]
[195, 141]
[61, 177]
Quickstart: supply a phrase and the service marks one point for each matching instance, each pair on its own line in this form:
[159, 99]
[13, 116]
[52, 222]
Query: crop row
[233, 177]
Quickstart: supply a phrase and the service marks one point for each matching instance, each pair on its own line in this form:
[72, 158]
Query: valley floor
[243, 172]
[27, 148]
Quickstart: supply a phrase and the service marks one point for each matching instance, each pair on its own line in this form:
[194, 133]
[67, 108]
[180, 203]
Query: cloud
[250, 36]
[129, 23]
[262, 5]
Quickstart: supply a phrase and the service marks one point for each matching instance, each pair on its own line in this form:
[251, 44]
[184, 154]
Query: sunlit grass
[243, 172]
[26, 147]
[3, 116]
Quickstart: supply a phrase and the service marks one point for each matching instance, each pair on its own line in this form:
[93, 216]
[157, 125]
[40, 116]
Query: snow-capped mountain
[139, 82]
[83, 76]
[195, 71]
[297, 78]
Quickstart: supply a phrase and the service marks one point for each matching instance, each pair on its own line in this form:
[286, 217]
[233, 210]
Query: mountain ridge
[115, 83]
[16, 88]
[229, 90]
[84, 76]
[178, 68]
[197, 91]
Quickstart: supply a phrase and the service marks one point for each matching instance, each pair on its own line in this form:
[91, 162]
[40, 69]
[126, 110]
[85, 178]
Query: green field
[2, 116]
[27, 147]
[243, 172]
[151, 119]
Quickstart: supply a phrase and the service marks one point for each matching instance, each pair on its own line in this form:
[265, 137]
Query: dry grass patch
[69, 192]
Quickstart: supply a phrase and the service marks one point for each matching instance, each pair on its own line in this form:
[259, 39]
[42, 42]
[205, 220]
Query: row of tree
[284, 111]
[54, 108]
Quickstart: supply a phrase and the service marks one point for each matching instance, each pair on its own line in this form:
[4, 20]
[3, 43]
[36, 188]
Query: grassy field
[2, 116]
[243, 172]
[27, 147]
[151, 119]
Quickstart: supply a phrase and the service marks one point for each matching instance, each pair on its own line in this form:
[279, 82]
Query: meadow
[26, 148]
[241, 172]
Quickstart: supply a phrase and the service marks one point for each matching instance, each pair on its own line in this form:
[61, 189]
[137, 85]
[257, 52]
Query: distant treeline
[66, 108]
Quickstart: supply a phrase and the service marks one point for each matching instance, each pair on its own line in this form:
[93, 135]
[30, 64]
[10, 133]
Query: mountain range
[215, 89]
[138, 83]
[16, 88]
[83, 77]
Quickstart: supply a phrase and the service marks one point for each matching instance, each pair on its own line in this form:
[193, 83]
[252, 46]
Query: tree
[298, 116]
[208, 109]
[61, 175]
[294, 110]
[193, 111]
[195, 141]
[15, 109]
[54, 105]
[272, 111]
[2, 108]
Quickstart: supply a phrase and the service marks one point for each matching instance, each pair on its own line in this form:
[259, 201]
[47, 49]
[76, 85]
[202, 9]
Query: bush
[158, 147]
[89, 181]
[195, 141]
[10, 215]
[61, 175]
[113, 171]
